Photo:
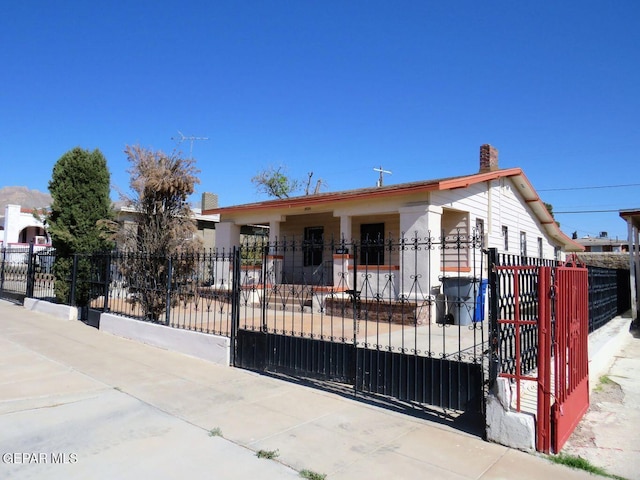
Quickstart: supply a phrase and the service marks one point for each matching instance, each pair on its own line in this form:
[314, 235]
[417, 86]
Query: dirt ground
[608, 435]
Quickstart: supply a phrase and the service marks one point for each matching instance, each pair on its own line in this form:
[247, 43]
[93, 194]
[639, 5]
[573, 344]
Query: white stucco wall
[15, 221]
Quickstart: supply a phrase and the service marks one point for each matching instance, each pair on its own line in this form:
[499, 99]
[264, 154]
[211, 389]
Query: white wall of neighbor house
[22, 227]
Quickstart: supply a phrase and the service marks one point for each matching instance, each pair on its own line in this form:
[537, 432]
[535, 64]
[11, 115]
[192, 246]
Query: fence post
[74, 278]
[494, 331]
[235, 303]
[167, 312]
[265, 256]
[107, 282]
[31, 272]
[355, 319]
[4, 261]
[543, 427]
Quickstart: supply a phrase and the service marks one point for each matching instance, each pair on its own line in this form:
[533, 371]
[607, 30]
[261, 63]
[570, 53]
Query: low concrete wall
[64, 312]
[504, 426]
[208, 347]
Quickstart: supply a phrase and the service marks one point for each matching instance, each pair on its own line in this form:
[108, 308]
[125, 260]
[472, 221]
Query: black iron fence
[26, 272]
[516, 283]
[193, 291]
[609, 295]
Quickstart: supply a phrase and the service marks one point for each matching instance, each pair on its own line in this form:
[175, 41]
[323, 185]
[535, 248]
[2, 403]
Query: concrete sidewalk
[113, 408]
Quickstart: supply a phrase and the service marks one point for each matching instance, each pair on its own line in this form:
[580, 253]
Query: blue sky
[335, 88]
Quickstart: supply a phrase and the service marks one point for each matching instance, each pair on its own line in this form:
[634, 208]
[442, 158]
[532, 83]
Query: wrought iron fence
[15, 267]
[316, 288]
[416, 295]
[609, 295]
[517, 302]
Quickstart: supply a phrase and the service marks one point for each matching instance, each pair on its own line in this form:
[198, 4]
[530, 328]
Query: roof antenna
[379, 183]
[191, 139]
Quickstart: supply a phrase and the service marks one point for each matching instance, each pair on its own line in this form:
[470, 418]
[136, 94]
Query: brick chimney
[488, 158]
[209, 201]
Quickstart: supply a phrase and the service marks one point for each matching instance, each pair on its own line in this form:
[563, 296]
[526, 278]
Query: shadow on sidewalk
[467, 422]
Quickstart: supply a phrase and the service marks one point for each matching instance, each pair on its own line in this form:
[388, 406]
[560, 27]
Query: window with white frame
[480, 231]
[505, 237]
[540, 247]
[523, 244]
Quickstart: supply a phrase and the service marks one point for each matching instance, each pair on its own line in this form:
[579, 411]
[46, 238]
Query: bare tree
[161, 244]
[274, 182]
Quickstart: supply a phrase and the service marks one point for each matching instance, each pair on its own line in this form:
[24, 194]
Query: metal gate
[380, 327]
[541, 319]
[16, 273]
[570, 352]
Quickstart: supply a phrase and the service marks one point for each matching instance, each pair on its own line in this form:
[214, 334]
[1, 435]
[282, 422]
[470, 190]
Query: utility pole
[382, 172]
[191, 140]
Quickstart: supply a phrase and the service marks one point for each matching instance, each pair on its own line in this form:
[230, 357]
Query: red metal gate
[571, 359]
[546, 306]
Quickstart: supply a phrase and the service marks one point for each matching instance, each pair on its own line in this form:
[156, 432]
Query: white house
[500, 205]
[20, 227]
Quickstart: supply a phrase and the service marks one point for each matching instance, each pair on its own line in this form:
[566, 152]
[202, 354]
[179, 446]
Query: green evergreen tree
[80, 187]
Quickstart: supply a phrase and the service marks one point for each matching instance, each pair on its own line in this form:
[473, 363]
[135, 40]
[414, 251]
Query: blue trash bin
[481, 299]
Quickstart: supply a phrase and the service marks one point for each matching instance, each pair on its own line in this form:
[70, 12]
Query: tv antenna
[191, 139]
[381, 178]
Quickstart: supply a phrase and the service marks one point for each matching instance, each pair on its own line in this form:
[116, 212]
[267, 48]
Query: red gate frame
[566, 289]
[571, 353]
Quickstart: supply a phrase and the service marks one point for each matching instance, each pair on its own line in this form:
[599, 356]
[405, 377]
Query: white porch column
[346, 232]
[637, 269]
[632, 236]
[274, 231]
[227, 237]
[421, 221]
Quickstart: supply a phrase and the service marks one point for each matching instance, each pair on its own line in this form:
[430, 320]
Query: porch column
[346, 232]
[637, 270]
[422, 222]
[227, 237]
[632, 236]
[274, 231]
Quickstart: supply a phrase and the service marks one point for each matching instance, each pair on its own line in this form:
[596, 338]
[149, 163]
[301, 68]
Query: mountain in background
[24, 197]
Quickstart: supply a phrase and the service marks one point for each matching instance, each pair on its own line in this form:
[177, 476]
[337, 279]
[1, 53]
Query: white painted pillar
[346, 229]
[634, 255]
[274, 231]
[423, 221]
[12, 225]
[227, 235]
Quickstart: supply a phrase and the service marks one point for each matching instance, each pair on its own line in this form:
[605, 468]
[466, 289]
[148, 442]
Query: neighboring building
[632, 217]
[206, 224]
[20, 227]
[501, 204]
[603, 244]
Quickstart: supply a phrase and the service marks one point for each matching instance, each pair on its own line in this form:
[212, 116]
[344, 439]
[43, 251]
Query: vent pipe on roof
[488, 158]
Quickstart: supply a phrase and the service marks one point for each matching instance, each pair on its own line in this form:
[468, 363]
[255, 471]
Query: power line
[588, 211]
[587, 188]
